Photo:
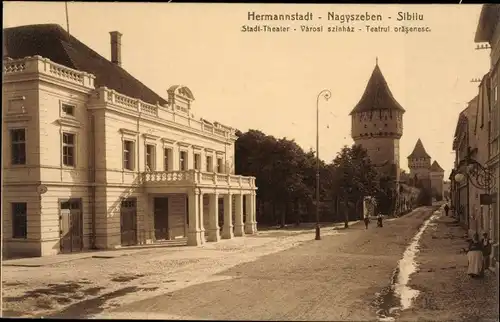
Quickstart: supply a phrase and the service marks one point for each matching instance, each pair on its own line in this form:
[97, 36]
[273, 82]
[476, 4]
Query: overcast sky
[270, 81]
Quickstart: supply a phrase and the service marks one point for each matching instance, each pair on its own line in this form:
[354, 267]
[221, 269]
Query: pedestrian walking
[367, 221]
[446, 209]
[475, 257]
[379, 220]
[486, 245]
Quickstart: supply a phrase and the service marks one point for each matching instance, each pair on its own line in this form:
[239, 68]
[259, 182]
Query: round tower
[377, 124]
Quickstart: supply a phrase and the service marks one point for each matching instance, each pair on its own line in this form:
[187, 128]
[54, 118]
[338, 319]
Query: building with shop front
[93, 158]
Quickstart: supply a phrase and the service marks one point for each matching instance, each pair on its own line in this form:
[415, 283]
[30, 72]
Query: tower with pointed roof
[429, 175]
[419, 161]
[437, 178]
[377, 124]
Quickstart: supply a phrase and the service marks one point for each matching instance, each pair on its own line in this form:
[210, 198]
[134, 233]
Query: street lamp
[477, 174]
[326, 94]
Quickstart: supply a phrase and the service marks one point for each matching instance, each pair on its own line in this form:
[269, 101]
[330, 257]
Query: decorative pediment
[167, 141]
[149, 136]
[70, 122]
[128, 132]
[183, 144]
[197, 147]
[219, 152]
[208, 150]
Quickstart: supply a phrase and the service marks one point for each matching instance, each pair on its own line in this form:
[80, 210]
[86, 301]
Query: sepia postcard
[250, 161]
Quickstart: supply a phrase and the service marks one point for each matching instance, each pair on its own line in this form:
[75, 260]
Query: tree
[356, 177]
[286, 179]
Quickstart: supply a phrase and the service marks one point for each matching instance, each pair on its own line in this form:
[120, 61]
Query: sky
[270, 81]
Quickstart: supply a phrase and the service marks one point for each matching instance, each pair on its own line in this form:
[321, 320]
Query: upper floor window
[68, 152]
[128, 155]
[19, 220]
[197, 161]
[210, 163]
[219, 165]
[18, 146]
[150, 157]
[67, 110]
[167, 157]
[183, 161]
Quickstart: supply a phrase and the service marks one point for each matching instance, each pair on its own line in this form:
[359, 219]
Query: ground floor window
[19, 220]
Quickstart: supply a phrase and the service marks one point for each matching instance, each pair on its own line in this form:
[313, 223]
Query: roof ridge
[51, 41]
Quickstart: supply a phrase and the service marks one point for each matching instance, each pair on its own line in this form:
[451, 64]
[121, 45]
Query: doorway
[128, 221]
[71, 225]
[161, 218]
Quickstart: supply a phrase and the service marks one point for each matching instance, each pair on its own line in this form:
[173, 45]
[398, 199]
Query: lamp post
[326, 94]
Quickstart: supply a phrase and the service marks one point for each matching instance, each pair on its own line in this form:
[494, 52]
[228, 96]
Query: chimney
[116, 47]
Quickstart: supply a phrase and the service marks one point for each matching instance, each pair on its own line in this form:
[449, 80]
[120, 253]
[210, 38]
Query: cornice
[129, 132]
[69, 122]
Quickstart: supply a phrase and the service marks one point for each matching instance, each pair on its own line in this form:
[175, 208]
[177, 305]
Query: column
[227, 229]
[202, 225]
[254, 212]
[194, 233]
[213, 213]
[249, 228]
[238, 216]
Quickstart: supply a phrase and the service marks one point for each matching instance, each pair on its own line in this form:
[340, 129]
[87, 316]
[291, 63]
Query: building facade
[95, 159]
[377, 125]
[488, 31]
[464, 208]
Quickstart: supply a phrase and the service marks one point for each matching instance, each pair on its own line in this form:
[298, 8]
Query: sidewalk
[446, 291]
[132, 274]
[273, 232]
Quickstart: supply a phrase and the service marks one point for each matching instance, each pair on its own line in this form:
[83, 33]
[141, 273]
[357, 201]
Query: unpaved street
[270, 276]
[332, 279]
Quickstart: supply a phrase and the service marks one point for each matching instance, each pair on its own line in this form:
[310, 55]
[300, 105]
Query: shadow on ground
[81, 297]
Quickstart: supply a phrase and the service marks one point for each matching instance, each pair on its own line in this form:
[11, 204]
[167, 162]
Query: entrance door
[71, 226]
[161, 218]
[128, 221]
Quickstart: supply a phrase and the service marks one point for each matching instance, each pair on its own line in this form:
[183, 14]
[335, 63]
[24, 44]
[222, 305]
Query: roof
[377, 95]
[488, 20]
[435, 167]
[469, 114]
[419, 151]
[52, 41]
[483, 98]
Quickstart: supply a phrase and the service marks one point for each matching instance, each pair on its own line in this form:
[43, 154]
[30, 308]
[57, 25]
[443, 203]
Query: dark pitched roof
[51, 41]
[377, 95]
[435, 167]
[488, 19]
[419, 151]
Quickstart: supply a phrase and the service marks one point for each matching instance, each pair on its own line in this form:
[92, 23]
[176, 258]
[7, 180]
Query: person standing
[446, 209]
[367, 221]
[379, 220]
[475, 257]
[486, 245]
